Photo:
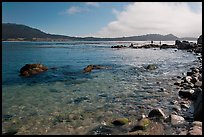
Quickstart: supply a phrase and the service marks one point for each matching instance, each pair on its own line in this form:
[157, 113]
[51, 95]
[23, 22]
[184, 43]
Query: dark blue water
[125, 89]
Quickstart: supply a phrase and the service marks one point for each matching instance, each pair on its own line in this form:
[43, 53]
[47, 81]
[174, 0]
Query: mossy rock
[142, 124]
[120, 121]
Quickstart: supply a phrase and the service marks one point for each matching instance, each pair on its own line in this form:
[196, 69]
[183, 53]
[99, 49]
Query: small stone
[176, 120]
[198, 84]
[197, 123]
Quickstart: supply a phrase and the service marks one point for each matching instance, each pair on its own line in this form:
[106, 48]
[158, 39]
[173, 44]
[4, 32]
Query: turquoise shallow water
[65, 100]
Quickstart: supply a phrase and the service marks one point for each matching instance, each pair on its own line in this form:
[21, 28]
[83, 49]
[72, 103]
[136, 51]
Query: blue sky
[106, 19]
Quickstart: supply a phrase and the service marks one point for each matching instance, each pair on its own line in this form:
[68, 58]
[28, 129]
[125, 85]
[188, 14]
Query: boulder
[186, 93]
[176, 120]
[32, 69]
[199, 40]
[184, 44]
[165, 46]
[157, 112]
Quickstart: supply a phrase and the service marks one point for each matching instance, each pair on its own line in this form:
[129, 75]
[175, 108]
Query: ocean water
[64, 100]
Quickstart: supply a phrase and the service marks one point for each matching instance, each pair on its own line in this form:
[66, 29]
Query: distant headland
[19, 32]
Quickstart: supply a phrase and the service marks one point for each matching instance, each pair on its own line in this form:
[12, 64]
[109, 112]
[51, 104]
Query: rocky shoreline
[187, 114]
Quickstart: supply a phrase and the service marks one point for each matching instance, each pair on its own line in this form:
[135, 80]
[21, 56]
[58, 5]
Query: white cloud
[95, 4]
[152, 17]
[73, 10]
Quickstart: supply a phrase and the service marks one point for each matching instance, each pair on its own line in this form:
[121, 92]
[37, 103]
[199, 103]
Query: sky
[107, 19]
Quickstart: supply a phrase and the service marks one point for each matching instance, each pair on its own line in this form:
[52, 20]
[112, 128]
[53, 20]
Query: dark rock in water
[184, 44]
[120, 121]
[118, 46]
[55, 90]
[32, 69]
[151, 67]
[89, 68]
[198, 108]
[186, 93]
[165, 46]
[157, 112]
[199, 40]
[6, 117]
[80, 99]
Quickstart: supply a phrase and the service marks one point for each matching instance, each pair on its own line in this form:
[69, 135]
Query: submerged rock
[32, 69]
[151, 67]
[89, 68]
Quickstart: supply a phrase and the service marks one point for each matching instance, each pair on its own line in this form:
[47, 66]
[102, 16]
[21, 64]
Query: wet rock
[89, 68]
[186, 93]
[187, 79]
[120, 121]
[184, 45]
[176, 108]
[151, 67]
[165, 46]
[157, 112]
[118, 46]
[32, 69]
[176, 120]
